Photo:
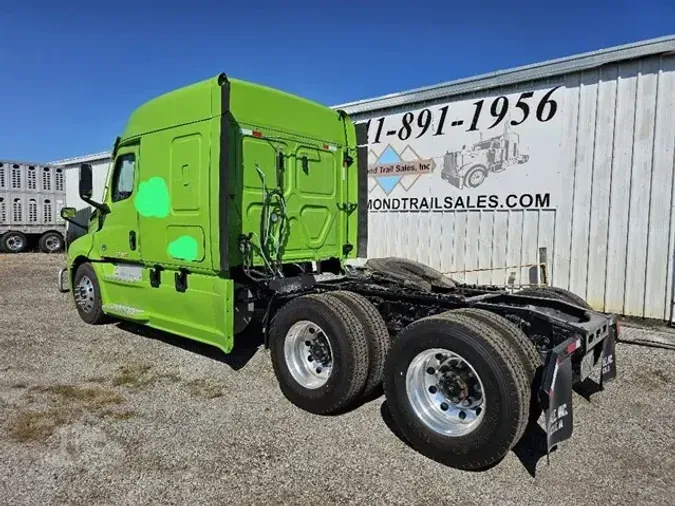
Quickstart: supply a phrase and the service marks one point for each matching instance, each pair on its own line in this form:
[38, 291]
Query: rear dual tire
[484, 355]
[502, 363]
[328, 350]
[319, 354]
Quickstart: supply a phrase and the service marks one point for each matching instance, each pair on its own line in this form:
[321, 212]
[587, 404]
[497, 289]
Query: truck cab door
[118, 236]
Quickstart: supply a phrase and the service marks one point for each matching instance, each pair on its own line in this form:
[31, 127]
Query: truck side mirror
[86, 184]
[68, 213]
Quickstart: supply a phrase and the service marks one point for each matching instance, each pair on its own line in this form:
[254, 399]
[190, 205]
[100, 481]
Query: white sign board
[494, 152]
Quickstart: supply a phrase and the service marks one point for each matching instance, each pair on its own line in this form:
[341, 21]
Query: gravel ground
[111, 415]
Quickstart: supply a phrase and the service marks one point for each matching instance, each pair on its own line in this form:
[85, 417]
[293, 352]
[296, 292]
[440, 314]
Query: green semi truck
[229, 201]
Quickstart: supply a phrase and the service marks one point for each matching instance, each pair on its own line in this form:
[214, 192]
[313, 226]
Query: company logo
[390, 169]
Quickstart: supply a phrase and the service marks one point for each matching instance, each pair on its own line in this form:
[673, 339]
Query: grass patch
[65, 404]
[38, 426]
[94, 397]
[132, 375]
[201, 388]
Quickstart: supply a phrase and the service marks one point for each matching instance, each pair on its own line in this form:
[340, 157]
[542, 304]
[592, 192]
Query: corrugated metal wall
[610, 238]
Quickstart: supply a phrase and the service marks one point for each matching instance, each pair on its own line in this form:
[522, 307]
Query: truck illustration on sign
[470, 167]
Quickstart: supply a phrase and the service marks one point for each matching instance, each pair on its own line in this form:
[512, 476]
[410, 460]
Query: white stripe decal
[555, 375]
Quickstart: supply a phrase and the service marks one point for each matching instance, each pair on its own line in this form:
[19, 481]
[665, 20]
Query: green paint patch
[184, 248]
[152, 199]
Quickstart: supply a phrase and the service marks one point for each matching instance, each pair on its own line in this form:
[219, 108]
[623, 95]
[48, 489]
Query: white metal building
[100, 163]
[579, 161]
[572, 158]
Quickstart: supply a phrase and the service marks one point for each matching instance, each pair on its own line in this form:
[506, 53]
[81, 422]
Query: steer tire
[93, 315]
[410, 272]
[500, 370]
[527, 351]
[349, 350]
[553, 292]
[377, 334]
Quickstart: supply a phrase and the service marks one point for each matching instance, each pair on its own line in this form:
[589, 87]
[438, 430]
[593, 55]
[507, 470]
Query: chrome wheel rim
[52, 243]
[84, 294]
[308, 354]
[476, 178]
[445, 392]
[14, 243]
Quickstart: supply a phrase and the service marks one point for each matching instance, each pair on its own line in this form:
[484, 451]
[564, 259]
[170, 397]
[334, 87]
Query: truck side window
[123, 178]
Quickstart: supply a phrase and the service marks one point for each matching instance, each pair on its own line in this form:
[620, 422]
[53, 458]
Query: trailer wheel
[409, 271]
[553, 292]
[319, 353]
[87, 293]
[456, 390]
[527, 351]
[14, 242]
[51, 242]
[376, 333]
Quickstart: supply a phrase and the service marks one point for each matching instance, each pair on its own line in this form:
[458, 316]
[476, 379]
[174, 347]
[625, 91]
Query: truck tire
[411, 272]
[87, 294]
[475, 177]
[377, 334]
[440, 362]
[319, 353]
[553, 292]
[527, 351]
[13, 242]
[51, 242]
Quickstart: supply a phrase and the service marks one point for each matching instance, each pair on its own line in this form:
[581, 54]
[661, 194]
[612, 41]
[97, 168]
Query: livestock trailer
[31, 198]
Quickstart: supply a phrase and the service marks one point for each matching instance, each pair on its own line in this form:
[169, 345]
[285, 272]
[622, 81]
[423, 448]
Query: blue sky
[72, 71]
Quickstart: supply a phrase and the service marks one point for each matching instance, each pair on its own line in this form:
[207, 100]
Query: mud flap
[608, 372]
[555, 395]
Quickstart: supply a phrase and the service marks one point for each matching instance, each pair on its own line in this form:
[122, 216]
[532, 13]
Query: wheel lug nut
[439, 356]
[462, 415]
[310, 358]
[308, 343]
[433, 389]
[312, 330]
[444, 406]
[318, 370]
[431, 370]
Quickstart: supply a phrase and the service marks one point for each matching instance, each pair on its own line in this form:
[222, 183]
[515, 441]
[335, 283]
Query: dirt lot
[113, 415]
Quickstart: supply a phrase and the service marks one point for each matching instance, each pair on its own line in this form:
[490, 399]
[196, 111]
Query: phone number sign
[499, 144]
